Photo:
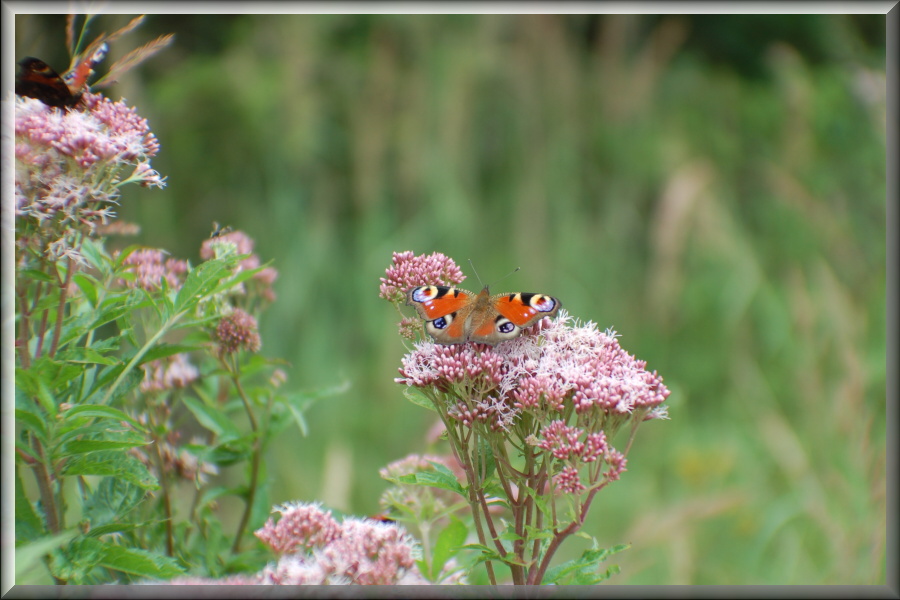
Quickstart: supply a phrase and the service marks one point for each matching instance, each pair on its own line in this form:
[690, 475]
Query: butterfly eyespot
[505, 326]
[424, 293]
[543, 303]
[442, 322]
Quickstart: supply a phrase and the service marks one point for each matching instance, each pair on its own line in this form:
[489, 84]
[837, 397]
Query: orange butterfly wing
[525, 309]
[435, 301]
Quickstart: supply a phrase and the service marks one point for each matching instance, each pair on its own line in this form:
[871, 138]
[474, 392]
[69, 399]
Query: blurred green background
[712, 187]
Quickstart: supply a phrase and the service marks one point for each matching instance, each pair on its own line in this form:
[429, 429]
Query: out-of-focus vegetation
[712, 187]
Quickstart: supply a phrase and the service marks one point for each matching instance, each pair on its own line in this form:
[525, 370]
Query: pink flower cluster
[564, 365]
[472, 365]
[408, 270]
[69, 166]
[424, 502]
[168, 373]
[238, 331]
[150, 270]
[565, 443]
[301, 527]
[315, 549]
[243, 245]
[86, 148]
[558, 372]
[174, 459]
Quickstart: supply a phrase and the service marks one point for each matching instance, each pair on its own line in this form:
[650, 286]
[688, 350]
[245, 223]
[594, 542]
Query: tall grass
[731, 229]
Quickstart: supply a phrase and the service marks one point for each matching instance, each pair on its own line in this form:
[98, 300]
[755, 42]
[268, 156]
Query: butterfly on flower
[455, 316]
[36, 79]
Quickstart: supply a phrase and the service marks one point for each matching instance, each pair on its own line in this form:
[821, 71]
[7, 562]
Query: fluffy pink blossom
[409, 270]
[168, 373]
[238, 331]
[301, 527]
[69, 166]
[315, 549]
[242, 244]
[150, 270]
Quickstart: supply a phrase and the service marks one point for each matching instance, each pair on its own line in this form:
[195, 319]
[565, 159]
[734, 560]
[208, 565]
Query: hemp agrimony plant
[137, 375]
[530, 424]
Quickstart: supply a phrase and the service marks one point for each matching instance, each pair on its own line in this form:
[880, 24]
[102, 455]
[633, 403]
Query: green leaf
[110, 528]
[112, 463]
[95, 254]
[297, 413]
[88, 287]
[33, 423]
[29, 557]
[34, 386]
[510, 535]
[417, 397]
[212, 419]
[486, 553]
[485, 462]
[108, 377]
[105, 412]
[447, 545]
[584, 569]
[110, 502]
[28, 525]
[37, 275]
[86, 355]
[84, 446]
[201, 281]
[446, 475]
[23, 448]
[433, 479]
[165, 350]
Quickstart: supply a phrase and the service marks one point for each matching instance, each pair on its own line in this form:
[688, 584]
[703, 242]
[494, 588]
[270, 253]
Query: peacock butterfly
[455, 316]
[36, 79]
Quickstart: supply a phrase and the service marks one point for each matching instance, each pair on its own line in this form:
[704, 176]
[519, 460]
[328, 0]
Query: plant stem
[140, 354]
[61, 307]
[254, 465]
[45, 486]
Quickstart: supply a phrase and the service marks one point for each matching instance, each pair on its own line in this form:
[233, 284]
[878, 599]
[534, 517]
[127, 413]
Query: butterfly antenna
[507, 275]
[474, 270]
[498, 281]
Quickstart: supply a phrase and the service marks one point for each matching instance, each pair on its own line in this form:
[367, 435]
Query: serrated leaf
[200, 281]
[105, 412]
[584, 570]
[34, 386]
[110, 528]
[33, 423]
[110, 502]
[111, 464]
[84, 446]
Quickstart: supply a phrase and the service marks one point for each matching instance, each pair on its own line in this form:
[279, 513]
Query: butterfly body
[456, 316]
